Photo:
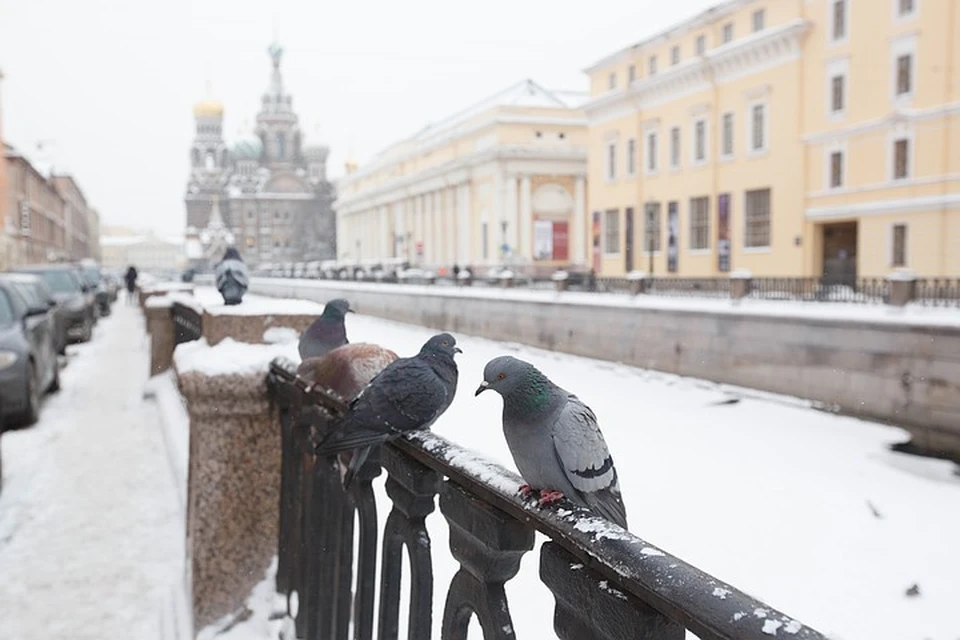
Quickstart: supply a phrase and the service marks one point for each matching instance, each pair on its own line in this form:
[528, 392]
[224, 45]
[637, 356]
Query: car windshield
[6, 311]
[92, 274]
[60, 281]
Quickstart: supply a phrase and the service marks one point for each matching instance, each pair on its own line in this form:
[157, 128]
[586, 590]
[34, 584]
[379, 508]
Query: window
[905, 8]
[838, 20]
[699, 223]
[901, 159]
[675, 147]
[758, 128]
[759, 18]
[836, 94]
[675, 55]
[904, 75]
[611, 231]
[652, 66]
[484, 239]
[611, 161]
[631, 156]
[836, 169]
[700, 141]
[651, 152]
[612, 81]
[728, 33]
[701, 45]
[898, 248]
[726, 148]
[631, 73]
[757, 213]
[651, 227]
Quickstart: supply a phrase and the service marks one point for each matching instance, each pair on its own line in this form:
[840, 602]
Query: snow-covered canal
[806, 510]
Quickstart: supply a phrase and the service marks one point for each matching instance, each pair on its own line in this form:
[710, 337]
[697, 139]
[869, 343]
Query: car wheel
[55, 383]
[32, 413]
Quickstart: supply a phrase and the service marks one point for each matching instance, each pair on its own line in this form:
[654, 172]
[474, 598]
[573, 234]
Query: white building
[146, 252]
[502, 182]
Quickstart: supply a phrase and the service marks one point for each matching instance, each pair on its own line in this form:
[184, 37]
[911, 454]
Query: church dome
[247, 149]
[208, 109]
[316, 153]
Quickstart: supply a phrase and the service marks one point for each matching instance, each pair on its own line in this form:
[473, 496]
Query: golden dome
[208, 109]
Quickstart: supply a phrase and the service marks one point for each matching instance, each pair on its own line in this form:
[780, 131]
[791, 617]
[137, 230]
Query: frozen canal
[806, 510]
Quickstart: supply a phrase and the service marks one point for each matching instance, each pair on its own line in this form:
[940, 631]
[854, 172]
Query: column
[578, 230]
[525, 247]
[450, 230]
[465, 230]
[511, 217]
[430, 236]
[386, 234]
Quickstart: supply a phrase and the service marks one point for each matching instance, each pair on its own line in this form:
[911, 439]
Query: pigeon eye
[445, 343]
[501, 376]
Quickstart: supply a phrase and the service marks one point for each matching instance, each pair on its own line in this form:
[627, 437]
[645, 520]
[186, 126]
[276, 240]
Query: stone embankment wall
[903, 372]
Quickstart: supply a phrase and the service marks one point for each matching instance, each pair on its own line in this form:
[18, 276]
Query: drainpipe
[945, 160]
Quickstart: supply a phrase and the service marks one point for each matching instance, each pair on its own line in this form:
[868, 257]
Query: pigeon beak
[349, 310]
[457, 350]
[483, 387]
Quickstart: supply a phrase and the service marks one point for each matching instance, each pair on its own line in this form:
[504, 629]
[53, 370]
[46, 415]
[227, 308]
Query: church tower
[208, 162]
[277, 124]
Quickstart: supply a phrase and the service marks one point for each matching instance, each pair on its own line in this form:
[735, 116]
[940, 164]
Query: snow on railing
[608, 584]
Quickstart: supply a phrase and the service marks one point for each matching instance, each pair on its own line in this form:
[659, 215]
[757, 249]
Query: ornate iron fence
[937, 292]
[861, 291]
[689, 287]
[608, 584]
[187, 323]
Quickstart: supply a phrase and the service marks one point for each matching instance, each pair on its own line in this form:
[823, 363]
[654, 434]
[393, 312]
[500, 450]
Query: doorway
[840, 253]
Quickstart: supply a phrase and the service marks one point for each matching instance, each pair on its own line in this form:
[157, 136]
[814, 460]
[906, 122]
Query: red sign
[561, 240]
[419, 248]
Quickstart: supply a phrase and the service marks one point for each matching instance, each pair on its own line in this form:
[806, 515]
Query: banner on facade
[596, 241]
[543, 240]
[673, 237]
[723, 232]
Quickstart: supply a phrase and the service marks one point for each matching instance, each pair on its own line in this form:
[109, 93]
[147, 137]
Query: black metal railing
[937, 292]
[608, 584]
[187, 323]
[690, 287]
[860, 291]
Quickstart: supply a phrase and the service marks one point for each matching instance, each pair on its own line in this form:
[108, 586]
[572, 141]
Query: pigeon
[554, 439]
[327, 332]
[232, 277]
[408, 395]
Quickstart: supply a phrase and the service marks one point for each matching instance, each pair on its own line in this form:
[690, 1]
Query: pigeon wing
[586, 461]
[404, 396]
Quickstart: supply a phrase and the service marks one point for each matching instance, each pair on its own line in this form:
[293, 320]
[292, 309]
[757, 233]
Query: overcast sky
[109, 84]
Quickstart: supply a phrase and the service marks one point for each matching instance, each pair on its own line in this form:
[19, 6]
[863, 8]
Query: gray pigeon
[554, 439]
[409, 394]
[327, 332]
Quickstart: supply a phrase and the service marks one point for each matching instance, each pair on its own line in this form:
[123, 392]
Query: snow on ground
[91, 531]
[806, 510]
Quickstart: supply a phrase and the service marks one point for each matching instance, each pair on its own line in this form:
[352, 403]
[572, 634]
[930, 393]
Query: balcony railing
[608, 584]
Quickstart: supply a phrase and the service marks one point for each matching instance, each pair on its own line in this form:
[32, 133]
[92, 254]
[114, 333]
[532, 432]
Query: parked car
[73, 295]
[28, 355]
[36, 292]
[90, 271]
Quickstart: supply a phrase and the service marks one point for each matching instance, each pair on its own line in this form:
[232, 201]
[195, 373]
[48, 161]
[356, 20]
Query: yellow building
[502, 182]
[786, 137]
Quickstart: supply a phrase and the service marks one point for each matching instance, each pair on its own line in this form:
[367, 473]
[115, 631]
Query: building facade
[502, 182]
[785, 137]
[271, 189]
[147, 252]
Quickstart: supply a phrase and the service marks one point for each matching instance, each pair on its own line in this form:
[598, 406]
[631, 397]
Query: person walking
[130, 277]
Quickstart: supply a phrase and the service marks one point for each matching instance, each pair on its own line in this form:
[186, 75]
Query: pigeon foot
[549, 497]
[525, 490]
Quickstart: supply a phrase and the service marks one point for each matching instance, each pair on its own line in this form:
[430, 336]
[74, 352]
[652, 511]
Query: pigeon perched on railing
[554, 439]
[409, 394]
[327, 332]
[348, 369]
[232, 277]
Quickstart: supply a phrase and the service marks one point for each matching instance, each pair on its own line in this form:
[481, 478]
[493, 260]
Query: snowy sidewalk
[91, 536]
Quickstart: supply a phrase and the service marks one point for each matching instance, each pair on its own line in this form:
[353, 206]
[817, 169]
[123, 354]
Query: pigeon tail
[608, 503]
[356, 462]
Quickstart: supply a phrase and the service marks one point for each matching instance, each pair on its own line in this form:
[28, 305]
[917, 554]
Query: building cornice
[495, 117]
[698, 21]
[949, 201]
[724, 64]
[897, 116]
[456, 172]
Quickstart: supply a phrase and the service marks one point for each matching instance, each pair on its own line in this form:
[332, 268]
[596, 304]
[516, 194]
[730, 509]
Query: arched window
[210, 162]
[281, 146]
